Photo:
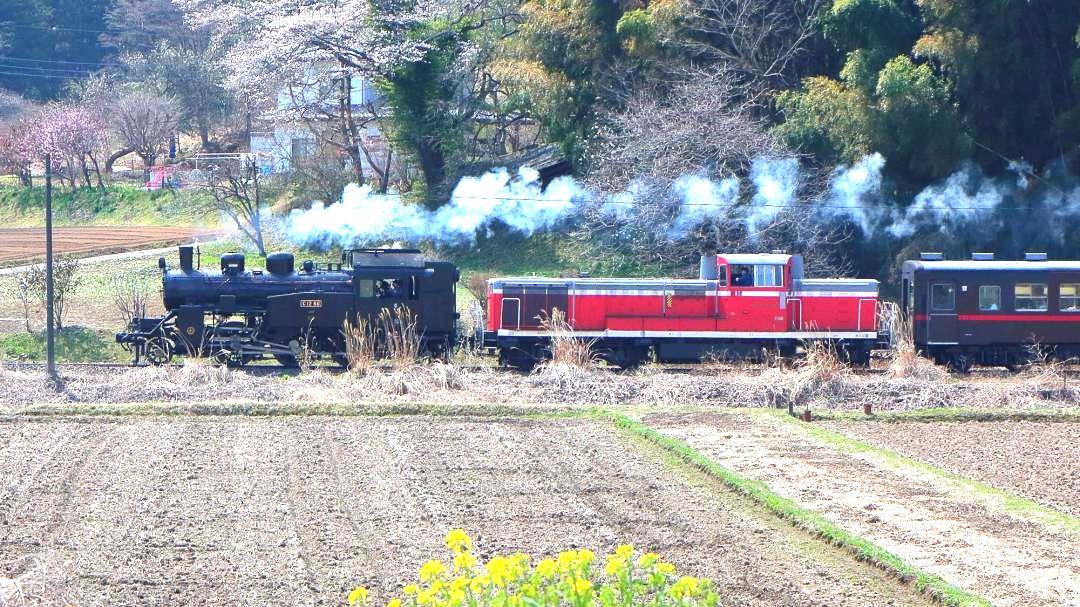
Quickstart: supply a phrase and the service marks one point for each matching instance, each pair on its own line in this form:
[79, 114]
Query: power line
[719, 207]
[51, 28]
[54, 61]
[22, 75]
[45, 70]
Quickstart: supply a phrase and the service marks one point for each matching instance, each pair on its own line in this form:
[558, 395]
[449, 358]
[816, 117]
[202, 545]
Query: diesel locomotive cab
[238, 314]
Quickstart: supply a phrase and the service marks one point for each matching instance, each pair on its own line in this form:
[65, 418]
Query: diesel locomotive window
[742, 276]
[943, 297]
[768, 275]
[989, 298]
[1069, 297]
[1031, 297]
[721, 276]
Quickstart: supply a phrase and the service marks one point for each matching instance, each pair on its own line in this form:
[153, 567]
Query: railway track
[705, 370]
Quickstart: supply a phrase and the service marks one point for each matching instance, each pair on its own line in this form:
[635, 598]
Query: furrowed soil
[27, 245]
[1037, 460]
[996, 555]
[298, 510]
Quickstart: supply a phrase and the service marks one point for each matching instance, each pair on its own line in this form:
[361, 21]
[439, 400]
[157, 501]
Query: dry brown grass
[567, 349]
[393, 338]
[37, 580]
[360, 341]
[905, 362]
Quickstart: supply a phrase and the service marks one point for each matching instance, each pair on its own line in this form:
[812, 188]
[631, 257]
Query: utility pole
[50, 343]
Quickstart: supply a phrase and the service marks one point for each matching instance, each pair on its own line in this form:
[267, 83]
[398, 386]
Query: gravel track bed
[1037, 460]
[1009, 561]
[241, 511]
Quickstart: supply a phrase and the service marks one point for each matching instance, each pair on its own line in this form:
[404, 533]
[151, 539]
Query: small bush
[573, 579]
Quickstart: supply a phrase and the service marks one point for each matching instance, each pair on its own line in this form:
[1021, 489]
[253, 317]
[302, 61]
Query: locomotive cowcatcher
[237, 315]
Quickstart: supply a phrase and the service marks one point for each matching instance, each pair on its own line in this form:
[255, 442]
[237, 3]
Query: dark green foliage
[37, 37]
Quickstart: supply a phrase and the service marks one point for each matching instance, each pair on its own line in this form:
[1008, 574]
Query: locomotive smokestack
[187, 256]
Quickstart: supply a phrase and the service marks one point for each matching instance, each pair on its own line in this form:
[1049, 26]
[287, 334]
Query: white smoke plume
[702, 199]
[363, 216]
[856, 193]
[964, 197]
[776, 181]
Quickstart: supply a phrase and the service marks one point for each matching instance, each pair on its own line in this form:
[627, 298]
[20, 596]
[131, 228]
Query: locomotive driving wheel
[158, 351]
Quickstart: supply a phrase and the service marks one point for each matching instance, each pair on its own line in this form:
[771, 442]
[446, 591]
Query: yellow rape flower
[547, 568]
[426, 597]
[666, 568]
[358, 596]
[581, 585]
[458, 541]
[648, 559]
[431, 570]
[464, 561]
[498, 569]
[614, 565]
[411, 589]
[624, 551]
[479, 583]
[395, 602]
[685, 587]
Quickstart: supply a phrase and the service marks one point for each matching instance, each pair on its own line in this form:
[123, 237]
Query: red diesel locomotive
[740, 307]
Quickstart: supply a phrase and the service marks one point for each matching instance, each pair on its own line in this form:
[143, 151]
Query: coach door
[941, 320]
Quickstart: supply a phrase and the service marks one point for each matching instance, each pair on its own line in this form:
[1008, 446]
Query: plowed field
[295, 511]
[26, 245]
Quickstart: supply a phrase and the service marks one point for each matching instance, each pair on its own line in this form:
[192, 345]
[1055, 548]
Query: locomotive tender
[741, 306]
[237, 315]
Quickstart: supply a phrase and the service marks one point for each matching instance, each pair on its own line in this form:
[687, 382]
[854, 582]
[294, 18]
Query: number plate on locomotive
[310, 303]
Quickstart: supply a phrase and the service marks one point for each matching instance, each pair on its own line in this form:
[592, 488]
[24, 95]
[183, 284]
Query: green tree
[45, 44]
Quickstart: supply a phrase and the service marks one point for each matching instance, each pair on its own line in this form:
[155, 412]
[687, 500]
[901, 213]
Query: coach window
[768, 275]
[1031, 297]
[943, 297]
[1069, 297]
[989, 298]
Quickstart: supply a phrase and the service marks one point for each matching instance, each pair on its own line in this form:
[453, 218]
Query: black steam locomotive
[237, 315]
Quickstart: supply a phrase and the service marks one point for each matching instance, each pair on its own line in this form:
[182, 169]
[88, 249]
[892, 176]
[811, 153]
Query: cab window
[1030, 297]
[742, 276]
[989, 298]
[1069, 297]
[365, 288]
[721, 276]
[396, 288]
[768, 275]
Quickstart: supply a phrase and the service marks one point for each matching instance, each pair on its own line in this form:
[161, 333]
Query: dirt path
[241, 511]
[1037, 460]
[1009, 561]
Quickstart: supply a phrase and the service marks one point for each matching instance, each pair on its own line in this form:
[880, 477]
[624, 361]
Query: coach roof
[994, 266]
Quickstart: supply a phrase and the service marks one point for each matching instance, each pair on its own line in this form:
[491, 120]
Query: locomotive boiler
[237, 315]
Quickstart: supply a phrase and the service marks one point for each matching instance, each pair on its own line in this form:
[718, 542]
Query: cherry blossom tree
[73, 135]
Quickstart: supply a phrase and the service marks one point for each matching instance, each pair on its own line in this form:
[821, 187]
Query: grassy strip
[813, 522]
[954, 414]
[1013, 504]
